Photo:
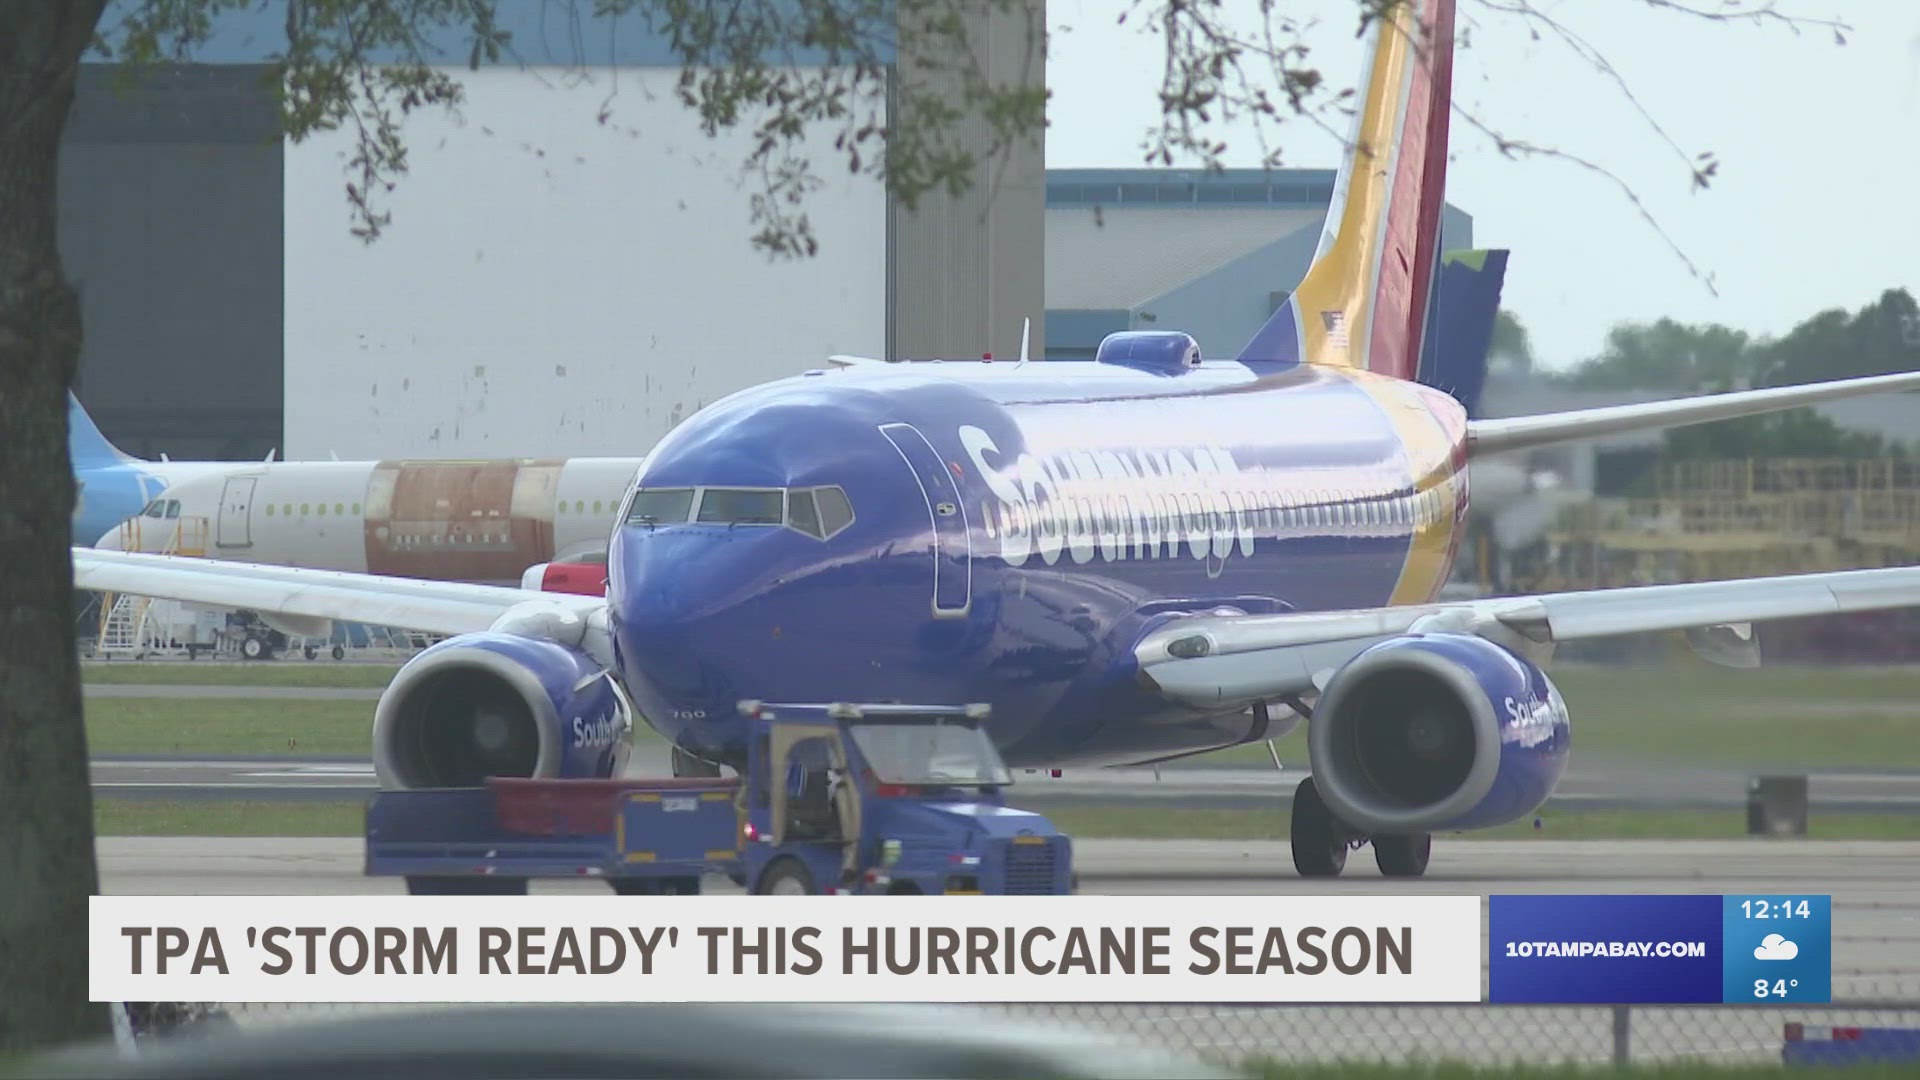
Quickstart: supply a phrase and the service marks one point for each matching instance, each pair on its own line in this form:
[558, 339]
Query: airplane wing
[1522, 432]
[435, 607]
[1222, 660]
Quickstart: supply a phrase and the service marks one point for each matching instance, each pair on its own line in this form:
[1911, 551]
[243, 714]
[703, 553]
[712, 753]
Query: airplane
[504, 521]
[1128, 559]
[487, 521]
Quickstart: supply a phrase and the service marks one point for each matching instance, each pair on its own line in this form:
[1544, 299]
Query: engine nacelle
[493, 704]
[1432, 732]
[580, 578]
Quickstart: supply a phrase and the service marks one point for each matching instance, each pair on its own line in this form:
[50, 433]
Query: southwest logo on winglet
[1775, 947]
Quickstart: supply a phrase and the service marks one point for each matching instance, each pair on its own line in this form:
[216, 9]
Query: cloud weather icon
[1775, 947]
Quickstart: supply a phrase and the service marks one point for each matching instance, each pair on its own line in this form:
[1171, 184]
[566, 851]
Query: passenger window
[737, 506]
[339, 509]
[660, 506]
[802, 515]
[835, 512]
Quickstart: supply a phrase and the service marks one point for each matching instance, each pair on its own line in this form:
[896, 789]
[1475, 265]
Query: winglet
[1026, 326]
[1465, 309]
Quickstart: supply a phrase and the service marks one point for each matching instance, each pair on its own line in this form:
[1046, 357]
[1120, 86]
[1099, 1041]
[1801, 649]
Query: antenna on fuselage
[1026, 324]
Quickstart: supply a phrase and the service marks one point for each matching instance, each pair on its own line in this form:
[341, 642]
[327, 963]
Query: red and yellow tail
[1363, 303]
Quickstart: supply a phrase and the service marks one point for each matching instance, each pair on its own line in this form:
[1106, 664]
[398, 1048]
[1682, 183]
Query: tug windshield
[940, 752]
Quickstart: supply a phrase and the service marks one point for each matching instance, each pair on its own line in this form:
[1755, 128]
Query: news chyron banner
[805, 948]
[1657, 949]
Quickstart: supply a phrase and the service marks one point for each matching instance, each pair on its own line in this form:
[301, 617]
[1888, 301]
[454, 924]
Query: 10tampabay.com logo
[1660, 949]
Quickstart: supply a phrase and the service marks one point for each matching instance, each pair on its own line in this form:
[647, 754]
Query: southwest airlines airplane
[1132, 558]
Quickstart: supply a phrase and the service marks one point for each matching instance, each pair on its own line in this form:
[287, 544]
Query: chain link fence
[1475, 1034]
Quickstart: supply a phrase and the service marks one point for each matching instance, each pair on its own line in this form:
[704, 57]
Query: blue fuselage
[1014, 532]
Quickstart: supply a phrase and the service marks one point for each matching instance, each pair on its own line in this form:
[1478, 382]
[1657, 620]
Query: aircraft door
[952, 549]
[235, 529]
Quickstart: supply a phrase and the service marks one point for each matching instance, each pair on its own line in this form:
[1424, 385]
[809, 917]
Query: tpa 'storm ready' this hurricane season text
[1147, 554]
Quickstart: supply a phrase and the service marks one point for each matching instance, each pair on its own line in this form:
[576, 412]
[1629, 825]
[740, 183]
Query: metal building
[568, 269]
[1211, 253]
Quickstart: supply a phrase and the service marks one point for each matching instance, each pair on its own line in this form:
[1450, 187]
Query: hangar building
[1213, 254]
[568, 269]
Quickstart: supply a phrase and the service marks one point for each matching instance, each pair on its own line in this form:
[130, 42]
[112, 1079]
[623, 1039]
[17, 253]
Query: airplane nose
[109, 541]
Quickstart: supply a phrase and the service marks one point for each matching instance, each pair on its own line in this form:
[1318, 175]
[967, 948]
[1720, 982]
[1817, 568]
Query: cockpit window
[156, 508]
[742, 506]
[835, 512]
[801, 514]
[173, 508]
[817, 512]
[660, 506]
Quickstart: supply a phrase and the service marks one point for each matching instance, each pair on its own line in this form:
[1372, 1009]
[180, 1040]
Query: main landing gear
[1321, 841]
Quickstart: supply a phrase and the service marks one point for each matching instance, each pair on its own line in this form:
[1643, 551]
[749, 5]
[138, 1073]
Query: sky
[1816, 203]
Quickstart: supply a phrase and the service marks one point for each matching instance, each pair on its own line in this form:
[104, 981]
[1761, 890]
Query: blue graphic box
[1560, 949]
[1634, 949]
[1779, 947]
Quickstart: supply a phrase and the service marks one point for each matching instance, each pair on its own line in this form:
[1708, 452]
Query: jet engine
[498, 704]
[1433, 732]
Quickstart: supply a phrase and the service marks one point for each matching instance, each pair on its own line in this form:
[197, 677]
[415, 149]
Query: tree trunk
[47, 870]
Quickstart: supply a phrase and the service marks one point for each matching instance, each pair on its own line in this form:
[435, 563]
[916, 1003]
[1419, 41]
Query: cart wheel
[310, 652]
[474, 885]
[339, 653]
[786, 877]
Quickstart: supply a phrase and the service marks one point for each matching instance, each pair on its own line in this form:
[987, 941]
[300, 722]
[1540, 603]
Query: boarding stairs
[129, 625]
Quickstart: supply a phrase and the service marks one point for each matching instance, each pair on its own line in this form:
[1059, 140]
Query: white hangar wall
[550, 285]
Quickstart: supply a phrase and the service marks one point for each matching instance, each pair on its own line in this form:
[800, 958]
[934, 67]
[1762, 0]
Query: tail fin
[1466, 300]
[1363, 302]
[85, 445]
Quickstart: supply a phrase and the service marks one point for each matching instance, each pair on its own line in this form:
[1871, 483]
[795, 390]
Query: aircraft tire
[1403, 855]
[471, 885]
[786, 877]
[1319, 844]
[673, 886]
[254, 647]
